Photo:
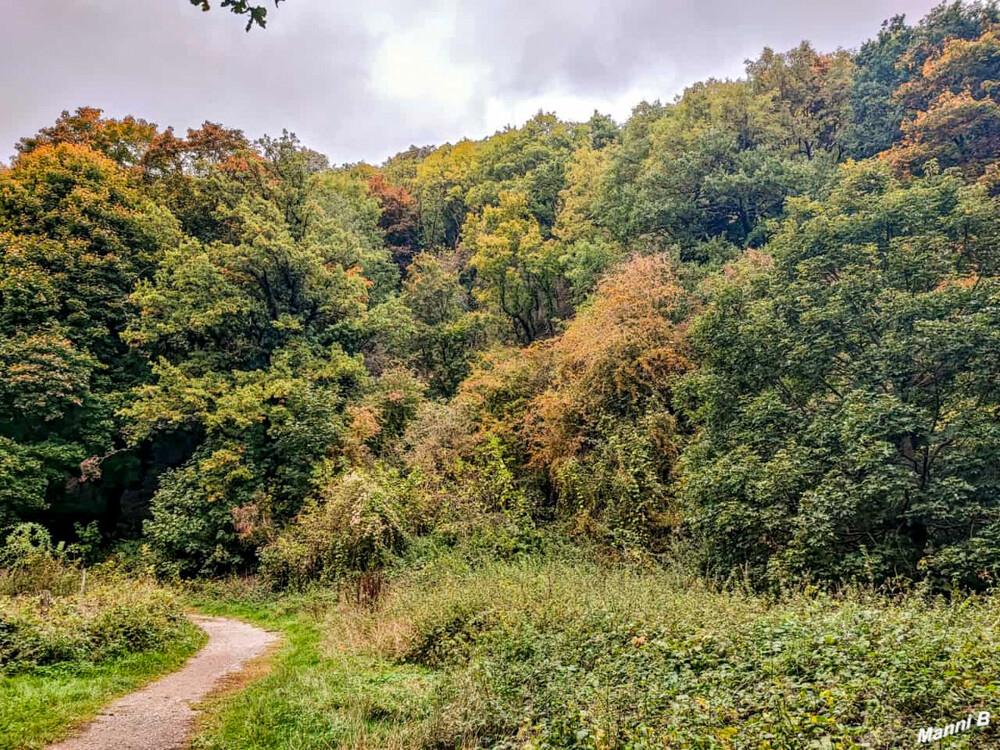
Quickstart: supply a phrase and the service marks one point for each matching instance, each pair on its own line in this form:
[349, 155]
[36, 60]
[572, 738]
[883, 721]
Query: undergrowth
[540, 653]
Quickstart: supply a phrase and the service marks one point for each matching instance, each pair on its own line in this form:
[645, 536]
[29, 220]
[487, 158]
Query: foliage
[31, 563]
[124, 141]
[547, 654]
[354, 527]
[718, 163]
[604, 429]
[256, 14]
[248, 339]
[517, 271]
[588, 248]
[76, 237]
[111, 619]
[956, 106]
[845, 392]
[810, 95]
[896, 57]
[705, 326]
[398, 219]
[448, 330]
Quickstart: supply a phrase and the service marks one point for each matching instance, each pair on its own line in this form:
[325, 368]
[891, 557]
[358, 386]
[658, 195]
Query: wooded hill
[758, 326]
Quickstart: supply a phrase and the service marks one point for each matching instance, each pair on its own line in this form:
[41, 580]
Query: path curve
[159, 717]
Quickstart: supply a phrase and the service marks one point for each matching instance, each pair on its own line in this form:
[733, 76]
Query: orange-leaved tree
[605, 429]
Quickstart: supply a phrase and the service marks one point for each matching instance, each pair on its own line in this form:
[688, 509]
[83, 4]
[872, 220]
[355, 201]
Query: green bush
[354, 528]
[190, 534]
[111, 619]
[487, 511]
[30, 562]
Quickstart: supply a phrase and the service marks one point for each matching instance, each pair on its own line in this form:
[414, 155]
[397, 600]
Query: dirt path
[159, 716]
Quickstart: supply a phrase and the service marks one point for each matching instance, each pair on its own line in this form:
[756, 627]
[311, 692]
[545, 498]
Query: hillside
[739, 353]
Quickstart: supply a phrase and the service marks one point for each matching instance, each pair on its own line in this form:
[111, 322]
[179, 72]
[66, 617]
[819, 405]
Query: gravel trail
[159, 716]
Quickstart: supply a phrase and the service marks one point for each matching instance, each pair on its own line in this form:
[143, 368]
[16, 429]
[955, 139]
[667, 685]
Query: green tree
[587, 248]
[810, 94]
[846, 389]
[449, 330]
[529, 160]
[248, 343]
[76, 238]
[716, 164]
[517, 271]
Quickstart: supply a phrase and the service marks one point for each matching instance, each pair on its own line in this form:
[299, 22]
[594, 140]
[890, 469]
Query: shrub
[191, 534]
[112, 618]
[354, 528]
[30, 562]
[604, 430]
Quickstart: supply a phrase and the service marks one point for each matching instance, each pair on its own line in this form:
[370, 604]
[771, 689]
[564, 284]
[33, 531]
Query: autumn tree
[605, 429]
[172, 168]
[76, 238]
[124, 141]
[956, 106]
[397, 220]
[896, 56]
[194, 154]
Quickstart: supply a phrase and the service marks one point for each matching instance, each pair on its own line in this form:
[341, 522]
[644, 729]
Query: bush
[353, 529]
[111, 619]
[30, 562]
[191, 534]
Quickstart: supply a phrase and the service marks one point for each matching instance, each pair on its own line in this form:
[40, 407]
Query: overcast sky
[363, 79]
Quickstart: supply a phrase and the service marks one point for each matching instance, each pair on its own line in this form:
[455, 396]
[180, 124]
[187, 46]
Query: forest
[559, 438]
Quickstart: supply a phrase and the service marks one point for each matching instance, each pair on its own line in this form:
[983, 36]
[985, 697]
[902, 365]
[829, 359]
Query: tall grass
[64, 657]
[552, 654]
[566, 653]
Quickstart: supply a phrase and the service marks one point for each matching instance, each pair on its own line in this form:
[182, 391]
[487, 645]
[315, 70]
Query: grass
[42, 705]
[548, 653]
[310, 697]
[551, 654]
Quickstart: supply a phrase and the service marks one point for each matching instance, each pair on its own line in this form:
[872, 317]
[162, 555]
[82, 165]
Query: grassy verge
[543, 654]
[310, 697]
[67, 650]
[43, 704]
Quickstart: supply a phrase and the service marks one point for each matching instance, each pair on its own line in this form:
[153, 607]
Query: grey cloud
[598, 46]
[311, 71]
